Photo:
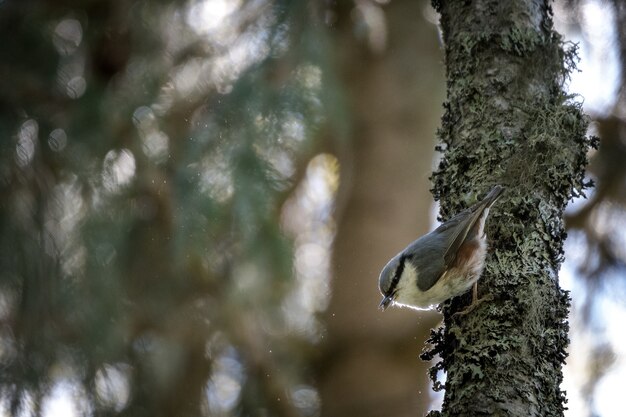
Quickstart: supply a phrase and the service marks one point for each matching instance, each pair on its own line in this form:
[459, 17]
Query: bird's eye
[397, 274]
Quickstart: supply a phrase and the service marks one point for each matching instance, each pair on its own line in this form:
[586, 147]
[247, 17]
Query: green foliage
[142, 169]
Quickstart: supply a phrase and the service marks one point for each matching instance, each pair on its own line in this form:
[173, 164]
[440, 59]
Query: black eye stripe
[397, 275]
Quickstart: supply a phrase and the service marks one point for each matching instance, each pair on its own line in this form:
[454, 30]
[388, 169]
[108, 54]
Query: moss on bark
[508, 121]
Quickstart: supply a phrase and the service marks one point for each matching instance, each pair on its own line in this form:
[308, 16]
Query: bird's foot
[475, 303]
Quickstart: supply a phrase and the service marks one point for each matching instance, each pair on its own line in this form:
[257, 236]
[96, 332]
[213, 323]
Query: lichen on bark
[508, 121]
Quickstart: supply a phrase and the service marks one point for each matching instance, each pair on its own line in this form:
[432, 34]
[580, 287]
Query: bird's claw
[473, 305]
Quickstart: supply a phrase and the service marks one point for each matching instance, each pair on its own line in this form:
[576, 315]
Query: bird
[441, 264]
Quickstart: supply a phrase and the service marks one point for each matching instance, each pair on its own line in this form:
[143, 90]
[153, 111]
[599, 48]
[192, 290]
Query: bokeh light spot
[113, 386]
[67, 36]
[118, 169]
[57, 140]
[26, 140]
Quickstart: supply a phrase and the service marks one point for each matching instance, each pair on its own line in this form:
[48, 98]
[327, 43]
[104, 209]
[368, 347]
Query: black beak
[386, 301]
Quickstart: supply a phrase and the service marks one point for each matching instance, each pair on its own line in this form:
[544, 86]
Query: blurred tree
[147, 149]
[389, 61]
[608, 170]
[508, 121]
[603, 264]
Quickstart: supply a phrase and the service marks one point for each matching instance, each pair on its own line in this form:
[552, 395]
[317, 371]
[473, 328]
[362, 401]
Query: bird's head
[389, 278]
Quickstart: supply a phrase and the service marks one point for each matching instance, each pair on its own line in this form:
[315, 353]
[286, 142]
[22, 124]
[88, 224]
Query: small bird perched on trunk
[442, 264]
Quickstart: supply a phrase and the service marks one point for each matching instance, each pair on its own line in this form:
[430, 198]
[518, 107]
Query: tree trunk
[370, 365]
[508, 121]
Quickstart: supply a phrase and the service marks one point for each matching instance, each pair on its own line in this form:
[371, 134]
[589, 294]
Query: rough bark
[508, 121]
[370, 365]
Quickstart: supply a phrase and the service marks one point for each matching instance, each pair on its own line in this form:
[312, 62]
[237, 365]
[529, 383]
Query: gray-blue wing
[457, 228]
[454, 232]
[434, 253]
[426, 253]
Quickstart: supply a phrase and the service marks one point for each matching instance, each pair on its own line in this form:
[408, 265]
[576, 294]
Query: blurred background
[197, 196]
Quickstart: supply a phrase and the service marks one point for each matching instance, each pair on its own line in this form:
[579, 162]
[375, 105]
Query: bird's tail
[493, 195]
